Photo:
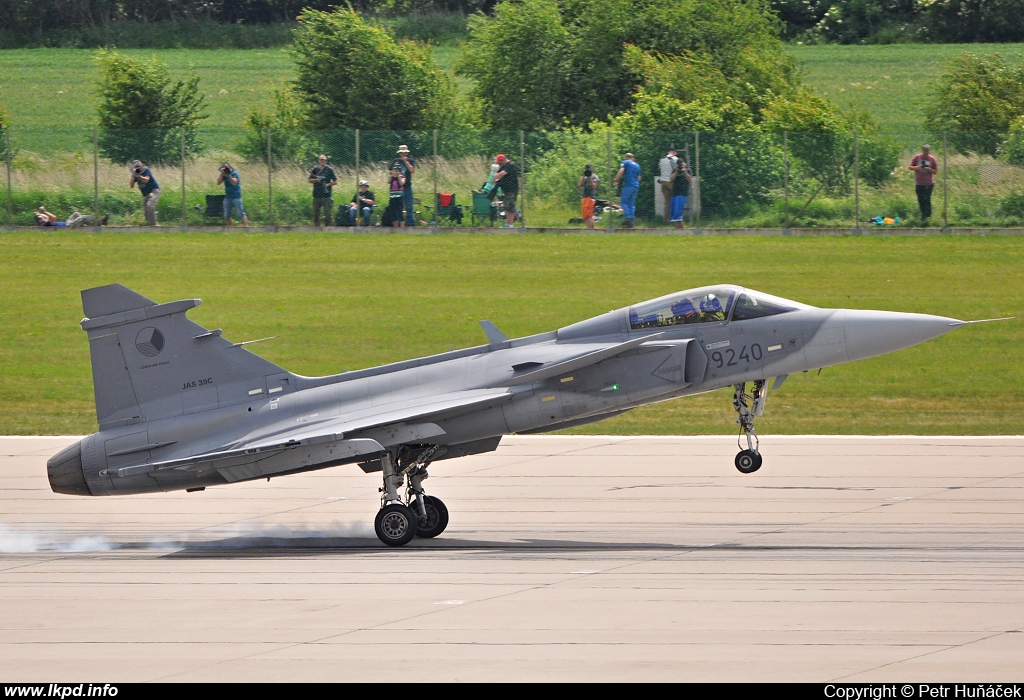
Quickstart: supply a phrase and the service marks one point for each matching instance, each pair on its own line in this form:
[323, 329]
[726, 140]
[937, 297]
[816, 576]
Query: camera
[226, 168]
[137, 170]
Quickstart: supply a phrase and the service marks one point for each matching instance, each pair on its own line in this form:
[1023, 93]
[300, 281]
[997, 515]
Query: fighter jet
[181, 407]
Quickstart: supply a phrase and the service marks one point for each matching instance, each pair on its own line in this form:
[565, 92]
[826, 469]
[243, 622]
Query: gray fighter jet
[182, 407]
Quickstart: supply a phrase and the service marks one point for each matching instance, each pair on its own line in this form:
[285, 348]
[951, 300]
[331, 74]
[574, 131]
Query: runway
[844, 559]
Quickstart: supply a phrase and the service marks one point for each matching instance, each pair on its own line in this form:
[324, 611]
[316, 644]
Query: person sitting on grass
[76, 220]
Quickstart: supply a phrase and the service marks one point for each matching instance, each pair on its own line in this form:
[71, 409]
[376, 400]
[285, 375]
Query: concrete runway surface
[849, 559]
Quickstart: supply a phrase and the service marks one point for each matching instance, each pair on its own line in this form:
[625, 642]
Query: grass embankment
[343, 302]
[893, 82]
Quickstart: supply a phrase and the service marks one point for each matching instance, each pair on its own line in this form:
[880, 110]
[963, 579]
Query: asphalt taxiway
[850, 559]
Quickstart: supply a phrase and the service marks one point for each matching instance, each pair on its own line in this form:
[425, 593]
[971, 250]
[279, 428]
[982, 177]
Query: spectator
[362, 204]
[407, 166]
[149, 188]
[507, 178]
[323, 179]
[489, 189]
[396, 189]
[629, 175]
[666, 169]
[588, 189]
[232, 194]
[924, 166]
[680, 181]
[76, 220]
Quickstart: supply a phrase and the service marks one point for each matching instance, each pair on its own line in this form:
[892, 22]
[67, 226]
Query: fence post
[270, 184]
[10, 192]
[437, 223]
[945, 217]
[522, 179]
[359, 207]
[785, 177]
[96, 172]
[856, 181]
[184, 210]
[696, 177]
[610, 183]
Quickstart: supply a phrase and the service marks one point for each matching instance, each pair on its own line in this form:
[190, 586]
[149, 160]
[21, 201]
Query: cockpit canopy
[708, 305]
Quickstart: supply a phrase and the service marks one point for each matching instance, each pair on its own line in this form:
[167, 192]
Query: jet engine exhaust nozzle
[64, 471]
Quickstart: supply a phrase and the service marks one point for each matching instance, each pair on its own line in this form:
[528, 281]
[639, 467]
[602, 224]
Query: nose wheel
[748, 461]
[748, 407]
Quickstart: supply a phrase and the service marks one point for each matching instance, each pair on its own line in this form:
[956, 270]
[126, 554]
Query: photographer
[407, 166]
[232, 193]
[680, 181]
[362, 205]
[588, 190]
[323, 179]
[149, 188]
[76, 220]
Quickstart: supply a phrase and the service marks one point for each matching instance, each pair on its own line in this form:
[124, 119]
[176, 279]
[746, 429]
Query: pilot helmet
[710, 303]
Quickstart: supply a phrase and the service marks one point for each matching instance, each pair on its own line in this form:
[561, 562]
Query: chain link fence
[777, 181]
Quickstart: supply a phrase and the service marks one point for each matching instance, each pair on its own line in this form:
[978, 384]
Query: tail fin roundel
[150, 362]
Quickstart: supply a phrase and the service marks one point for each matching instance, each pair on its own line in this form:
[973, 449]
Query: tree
[145, 115]
[975, 100]
[541, 63]
[351, 74]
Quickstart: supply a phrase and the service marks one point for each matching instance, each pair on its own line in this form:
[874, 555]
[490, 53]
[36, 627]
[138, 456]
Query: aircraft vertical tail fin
[149, 361]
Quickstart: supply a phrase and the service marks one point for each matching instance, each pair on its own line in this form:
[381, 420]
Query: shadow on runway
[270, 547]
[267, 547]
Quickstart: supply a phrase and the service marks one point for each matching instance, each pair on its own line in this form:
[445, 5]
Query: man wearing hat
[666, 166]
[362, 205]
[407, 166]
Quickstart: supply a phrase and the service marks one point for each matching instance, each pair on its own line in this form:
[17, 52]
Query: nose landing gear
[749, 406]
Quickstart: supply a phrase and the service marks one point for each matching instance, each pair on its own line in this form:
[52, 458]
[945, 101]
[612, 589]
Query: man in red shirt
[924, 166]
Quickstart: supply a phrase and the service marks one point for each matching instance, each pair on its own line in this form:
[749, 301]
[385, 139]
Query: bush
[289, 143]
[1012, 149]
[542, 63]
[143, 115]
[956, 21]
[975, 99]
[351, 74]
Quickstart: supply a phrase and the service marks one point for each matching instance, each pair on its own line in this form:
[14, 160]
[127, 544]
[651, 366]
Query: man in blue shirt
[149, 188]
[629, 174]
[232, 194]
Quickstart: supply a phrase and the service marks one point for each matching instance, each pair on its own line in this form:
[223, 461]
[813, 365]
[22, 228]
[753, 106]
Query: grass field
[891, 81]
[337, 302]
[54, 87]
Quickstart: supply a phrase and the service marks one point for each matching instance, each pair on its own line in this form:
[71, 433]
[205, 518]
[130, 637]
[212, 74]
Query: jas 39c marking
[197, 382]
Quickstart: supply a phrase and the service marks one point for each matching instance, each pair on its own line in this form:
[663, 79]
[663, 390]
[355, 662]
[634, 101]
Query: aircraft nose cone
[870, 333]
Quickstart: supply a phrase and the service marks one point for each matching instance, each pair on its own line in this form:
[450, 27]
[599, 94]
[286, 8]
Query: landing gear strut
[417, 514]
[749, 406]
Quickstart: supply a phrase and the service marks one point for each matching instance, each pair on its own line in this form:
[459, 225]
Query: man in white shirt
[666, 166]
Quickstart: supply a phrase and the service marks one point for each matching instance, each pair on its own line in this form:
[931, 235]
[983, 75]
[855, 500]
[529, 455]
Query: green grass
[55, 88]
[892, 81]
[339, 302]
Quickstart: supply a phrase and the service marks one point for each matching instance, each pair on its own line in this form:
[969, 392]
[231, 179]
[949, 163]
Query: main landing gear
[749, 406]
[399, 520]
